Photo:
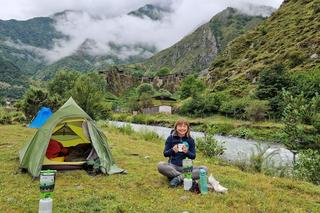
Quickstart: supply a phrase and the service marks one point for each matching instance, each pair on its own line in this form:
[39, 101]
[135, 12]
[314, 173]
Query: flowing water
[235, 148]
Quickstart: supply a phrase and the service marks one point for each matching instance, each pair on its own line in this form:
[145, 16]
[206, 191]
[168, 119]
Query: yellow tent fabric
[47, 162]
[71, 140]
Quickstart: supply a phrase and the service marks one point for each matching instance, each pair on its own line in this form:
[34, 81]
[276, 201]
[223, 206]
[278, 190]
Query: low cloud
[106, 22]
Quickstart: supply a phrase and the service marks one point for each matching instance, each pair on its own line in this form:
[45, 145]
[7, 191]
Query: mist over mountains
[86, 40]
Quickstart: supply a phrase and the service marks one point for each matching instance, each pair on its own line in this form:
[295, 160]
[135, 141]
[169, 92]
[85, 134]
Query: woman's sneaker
[216, 185]
[176, 181]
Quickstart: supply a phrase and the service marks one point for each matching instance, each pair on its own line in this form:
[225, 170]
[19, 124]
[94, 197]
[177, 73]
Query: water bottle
[203, 182]
[187, 174]
[45, 205]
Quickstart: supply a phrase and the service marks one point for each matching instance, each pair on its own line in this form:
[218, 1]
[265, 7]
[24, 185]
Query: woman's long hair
[181, 122]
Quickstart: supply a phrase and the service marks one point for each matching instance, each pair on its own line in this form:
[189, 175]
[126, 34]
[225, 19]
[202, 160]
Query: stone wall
[118, 81]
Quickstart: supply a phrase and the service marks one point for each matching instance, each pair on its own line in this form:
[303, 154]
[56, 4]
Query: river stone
[314, 56]
[184, 197]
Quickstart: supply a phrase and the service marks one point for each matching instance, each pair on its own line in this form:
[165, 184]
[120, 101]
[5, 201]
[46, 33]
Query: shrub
[140, 119]
[296, 58]
[148, 135]
[126, 129]
[213, 101]
[257, 110]
[235, 107]
[308, 167]
[191, 86]
[5, 117]
[209, 146]
[11, 116]
[242, 133]
[193, 106]
[259, 160]
[145, 88]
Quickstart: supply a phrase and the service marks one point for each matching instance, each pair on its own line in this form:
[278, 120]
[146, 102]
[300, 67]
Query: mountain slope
[21, 42]
[153, 12]
[195, 51]
[37, 32]
[290, 36]
[12, 80]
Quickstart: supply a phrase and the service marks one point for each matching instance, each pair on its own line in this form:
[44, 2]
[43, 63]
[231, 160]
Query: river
[236, 149]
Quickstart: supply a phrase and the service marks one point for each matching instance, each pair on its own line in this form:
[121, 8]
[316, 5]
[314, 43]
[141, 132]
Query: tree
[62, 83]
[270, 84]
[145, 88]
[88, 91]
[163, 71]
[145, 100]
[298, 136]
[34, 98]
[2, 101]
[191, 86]
[257, 110]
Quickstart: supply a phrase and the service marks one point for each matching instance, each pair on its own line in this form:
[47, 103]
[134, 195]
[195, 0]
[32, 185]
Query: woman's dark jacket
[176, 158]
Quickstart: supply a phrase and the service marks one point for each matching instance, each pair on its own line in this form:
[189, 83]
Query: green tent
[71, 126]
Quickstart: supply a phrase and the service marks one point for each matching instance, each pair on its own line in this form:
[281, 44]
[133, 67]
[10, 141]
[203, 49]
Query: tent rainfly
[71, 126]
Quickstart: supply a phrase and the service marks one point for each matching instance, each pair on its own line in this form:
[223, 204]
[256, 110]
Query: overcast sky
[115, 26]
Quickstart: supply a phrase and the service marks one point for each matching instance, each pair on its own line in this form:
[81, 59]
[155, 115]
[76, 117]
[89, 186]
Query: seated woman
[179, 145]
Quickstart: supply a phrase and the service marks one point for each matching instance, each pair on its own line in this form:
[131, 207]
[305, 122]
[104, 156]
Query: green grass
[143, 189]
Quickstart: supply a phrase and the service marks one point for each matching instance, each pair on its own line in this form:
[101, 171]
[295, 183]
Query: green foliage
[307, 82]
[34, 98]
[145, 88]
[259, 161]
[126, 129]
[140, 119]
[242, 132]
[191, 86]
[133, 104]
[235, 107]
[148, 135]
[259, 157]
[2, 101]
[289, 37]
[210, 146]
[62, 83]
[145, 100]
[193, 106]
[257, 110]
[297, 109]
[164, 92]
[12, 81]
[213, 102]
[308, 167]
[5, 117]
[88, 92]
[271, 82]
[163, 71]
[11, 116]
[38, 32]
[296, 58]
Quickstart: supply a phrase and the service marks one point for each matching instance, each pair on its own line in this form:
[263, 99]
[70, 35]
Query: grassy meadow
[143, 189]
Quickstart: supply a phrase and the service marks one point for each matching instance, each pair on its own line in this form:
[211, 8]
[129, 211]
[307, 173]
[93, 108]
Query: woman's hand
[175, 148]
[184, 149]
